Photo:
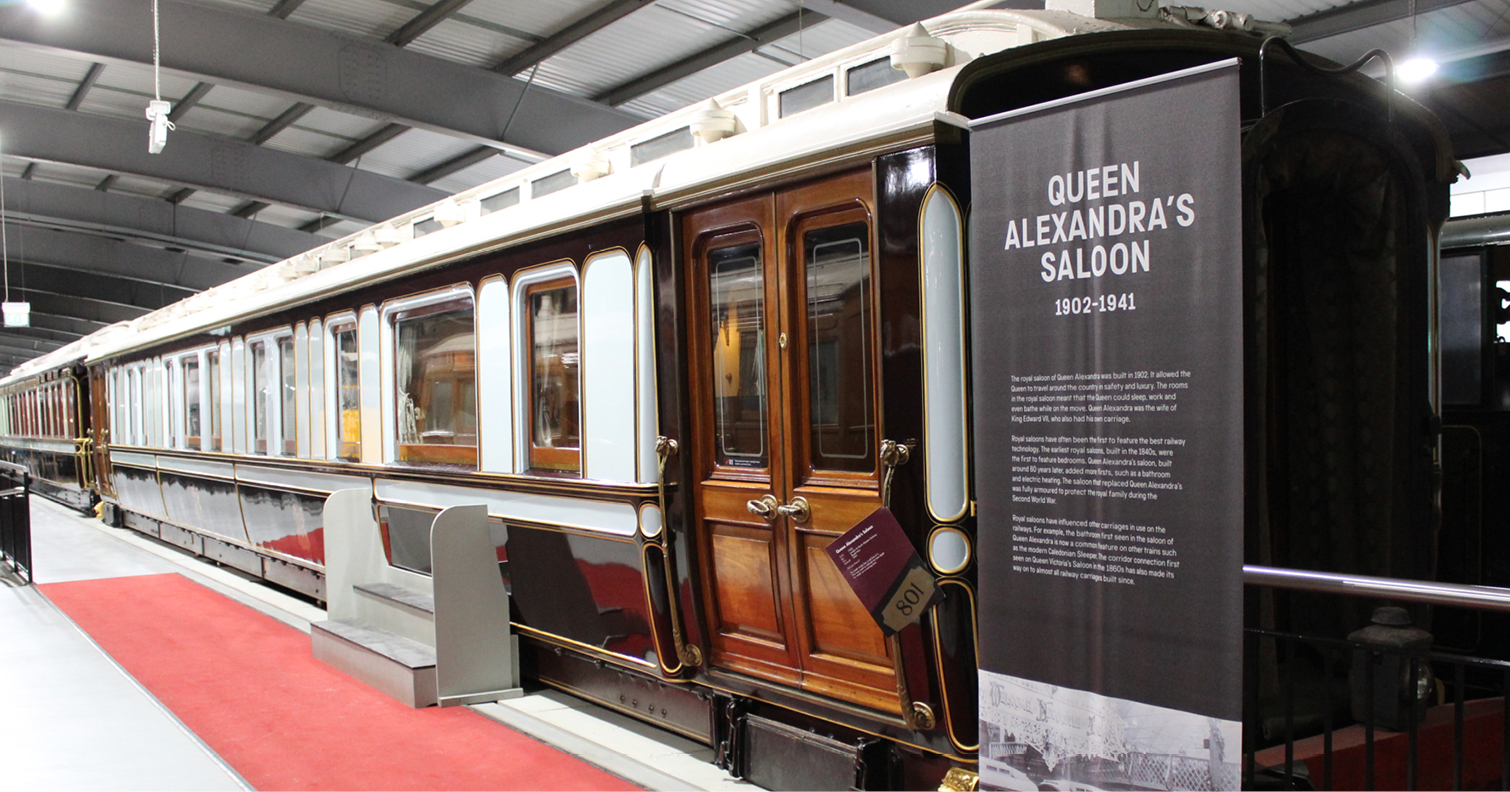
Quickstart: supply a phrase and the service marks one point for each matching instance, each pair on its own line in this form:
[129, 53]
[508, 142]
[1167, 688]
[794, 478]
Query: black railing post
[1505, 734]
[1289, 714]
[1410, 716]
[1457, 727]
[15, 518]
[1326, 723]
[1368, 720]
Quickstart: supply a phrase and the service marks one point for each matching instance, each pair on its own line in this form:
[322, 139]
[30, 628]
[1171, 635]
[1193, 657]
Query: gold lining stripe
[563, 640]
[938, 654]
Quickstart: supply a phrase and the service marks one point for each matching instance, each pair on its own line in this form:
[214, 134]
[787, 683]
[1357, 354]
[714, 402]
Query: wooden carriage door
[99, 430]
[785, 394]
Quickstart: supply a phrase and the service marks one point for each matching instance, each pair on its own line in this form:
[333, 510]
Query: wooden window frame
[550, 460]
[191, 442]
[335, 443]
[419, 306]
[288, 445]
[211, 372]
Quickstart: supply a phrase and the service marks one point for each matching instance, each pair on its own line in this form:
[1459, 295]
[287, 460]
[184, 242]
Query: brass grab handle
[766, 508]
[687, 654]
[798, 509]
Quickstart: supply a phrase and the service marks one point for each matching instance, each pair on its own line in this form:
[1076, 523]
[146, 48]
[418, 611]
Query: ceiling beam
[455, 164]
[44, 333]
[1359, 15]
[90, 253]
[571, 34]
[368, 143]
[193, 97]
[9, 337]
[90, 78]
[152, 220]
[303, 63]
[21, 348]
[69, 324]
[284, 8]
[226, 166]
[759, 37]
[64, 304]
[284, 120]
[96, 287]
[424, 20]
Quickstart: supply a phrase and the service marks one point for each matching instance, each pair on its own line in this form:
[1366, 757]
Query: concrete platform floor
[74, 720]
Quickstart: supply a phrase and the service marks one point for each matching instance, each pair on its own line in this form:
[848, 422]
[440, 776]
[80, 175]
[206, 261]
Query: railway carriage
[676, 364]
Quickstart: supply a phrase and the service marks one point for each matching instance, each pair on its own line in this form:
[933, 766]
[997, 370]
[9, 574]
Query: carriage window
[839, 348]
[191, 401]
[348, 394]
[288, 413]
[138, 435]
[556, 182]
[501, 201]
[555, 410]
[436, 368]
[870, 76]
[260, 395]
[213, 361]
[70, 409]
[736, 291]
[807, 96]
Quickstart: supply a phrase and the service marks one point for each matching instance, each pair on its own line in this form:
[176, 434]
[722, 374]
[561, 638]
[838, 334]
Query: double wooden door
[783, 332]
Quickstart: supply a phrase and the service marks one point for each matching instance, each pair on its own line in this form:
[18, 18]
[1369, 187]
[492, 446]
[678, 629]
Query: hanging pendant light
[17, 314]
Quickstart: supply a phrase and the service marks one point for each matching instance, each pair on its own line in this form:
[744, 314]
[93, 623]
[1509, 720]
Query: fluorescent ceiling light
[1416, 70]
[46, 7]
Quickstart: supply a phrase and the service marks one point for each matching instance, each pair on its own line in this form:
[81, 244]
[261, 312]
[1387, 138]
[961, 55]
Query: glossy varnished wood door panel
[732, 325]
[832, 429]
[778, 607]
[744, 568]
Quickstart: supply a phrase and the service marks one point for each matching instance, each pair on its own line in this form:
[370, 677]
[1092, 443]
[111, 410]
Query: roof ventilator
[365, 243]
[450, 213]
[711, 123]
[334, 254]
[387, 236]
[589, 165]
[303, 264]
[918, 53]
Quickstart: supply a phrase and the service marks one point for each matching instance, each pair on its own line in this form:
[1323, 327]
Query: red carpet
[249, 687]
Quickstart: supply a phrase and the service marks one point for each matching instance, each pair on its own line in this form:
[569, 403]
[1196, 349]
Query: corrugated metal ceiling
[650, 37]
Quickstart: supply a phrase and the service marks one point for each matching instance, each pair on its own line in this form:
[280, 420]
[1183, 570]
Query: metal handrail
[1480, 597]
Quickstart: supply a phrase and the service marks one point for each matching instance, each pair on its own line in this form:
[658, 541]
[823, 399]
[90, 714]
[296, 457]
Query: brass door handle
[798, 509]
[766, 508]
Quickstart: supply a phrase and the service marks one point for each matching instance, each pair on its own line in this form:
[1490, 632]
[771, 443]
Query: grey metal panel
[14, 337]
[718, 53]
[44, 333]
[56, 304]
[1355, 16]
[147, 218]
[67, 324]
[571, 34]
[321, 67]
[474, 660]
[227, 166]
[85, 252]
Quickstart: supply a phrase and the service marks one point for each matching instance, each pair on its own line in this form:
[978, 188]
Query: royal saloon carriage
[676, 364]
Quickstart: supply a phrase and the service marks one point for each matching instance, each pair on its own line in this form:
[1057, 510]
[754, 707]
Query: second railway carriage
[676, 364]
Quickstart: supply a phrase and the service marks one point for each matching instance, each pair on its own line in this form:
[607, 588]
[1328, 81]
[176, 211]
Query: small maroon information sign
[884, 570]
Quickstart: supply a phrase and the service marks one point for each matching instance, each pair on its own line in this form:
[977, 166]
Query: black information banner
[1106, 285]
